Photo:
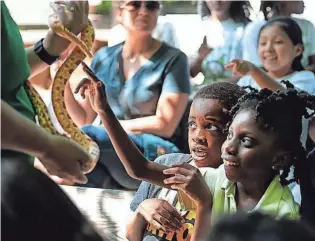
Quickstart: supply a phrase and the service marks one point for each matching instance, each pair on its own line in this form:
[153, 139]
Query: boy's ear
[299, 48]
[282, 160]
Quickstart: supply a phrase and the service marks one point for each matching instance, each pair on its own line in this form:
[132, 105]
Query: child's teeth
[228, 163]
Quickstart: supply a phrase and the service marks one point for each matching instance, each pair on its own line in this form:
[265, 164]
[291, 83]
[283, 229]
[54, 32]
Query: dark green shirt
[14, 68]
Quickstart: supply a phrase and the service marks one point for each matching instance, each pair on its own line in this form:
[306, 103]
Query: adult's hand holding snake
[73, 15]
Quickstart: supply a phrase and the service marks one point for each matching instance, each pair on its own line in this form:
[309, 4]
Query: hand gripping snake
[80, 52]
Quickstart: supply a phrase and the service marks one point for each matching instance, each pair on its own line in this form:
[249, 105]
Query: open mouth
[199, 153]
[270, 58]
[229, 163]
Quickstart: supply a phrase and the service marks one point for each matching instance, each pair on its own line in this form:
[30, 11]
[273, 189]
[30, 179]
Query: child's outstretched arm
[243, 67]
[136, 165]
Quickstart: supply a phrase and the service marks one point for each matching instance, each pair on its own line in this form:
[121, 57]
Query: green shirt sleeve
[14, 71]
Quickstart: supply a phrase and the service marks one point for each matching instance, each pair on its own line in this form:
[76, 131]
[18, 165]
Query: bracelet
[43, 54]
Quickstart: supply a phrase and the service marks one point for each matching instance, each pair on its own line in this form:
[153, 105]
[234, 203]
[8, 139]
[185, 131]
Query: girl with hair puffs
[263, 139]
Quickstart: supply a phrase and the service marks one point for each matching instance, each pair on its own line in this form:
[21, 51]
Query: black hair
[226, 92]
[239, 10]
[269, 8]
[281, 112]
[293, 31]
[259, 227]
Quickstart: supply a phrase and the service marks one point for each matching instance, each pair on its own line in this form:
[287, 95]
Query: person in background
[163, 31]
[224, 23]
[273, 9]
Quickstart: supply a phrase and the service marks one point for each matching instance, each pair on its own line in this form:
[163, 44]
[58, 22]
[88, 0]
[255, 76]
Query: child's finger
[176, 180]
[177, 170]
[172, 212]
[82, 92]
[83, 82]
[229, 66]
[89, 72]
[100, 88]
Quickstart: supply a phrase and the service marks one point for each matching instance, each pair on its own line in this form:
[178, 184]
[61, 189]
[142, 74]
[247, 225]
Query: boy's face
[205, 137]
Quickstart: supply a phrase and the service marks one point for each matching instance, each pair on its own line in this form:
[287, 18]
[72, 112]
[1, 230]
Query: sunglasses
[136, 5]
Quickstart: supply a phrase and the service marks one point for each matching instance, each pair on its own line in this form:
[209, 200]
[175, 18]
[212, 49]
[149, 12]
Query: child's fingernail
[165, 181]
[165, 171]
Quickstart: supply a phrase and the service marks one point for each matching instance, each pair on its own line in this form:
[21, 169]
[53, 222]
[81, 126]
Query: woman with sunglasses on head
[147, 84]
[272, 9]
[224, 23]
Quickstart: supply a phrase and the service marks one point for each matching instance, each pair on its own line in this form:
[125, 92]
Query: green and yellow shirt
[277, 201]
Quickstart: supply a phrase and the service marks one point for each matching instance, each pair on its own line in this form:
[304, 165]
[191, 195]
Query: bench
[108, 210]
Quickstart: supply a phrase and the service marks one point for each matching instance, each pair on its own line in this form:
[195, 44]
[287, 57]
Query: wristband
[43, 54]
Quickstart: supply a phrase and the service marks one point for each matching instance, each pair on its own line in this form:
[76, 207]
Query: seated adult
[164, 31]
[273, 9]
[147, 84]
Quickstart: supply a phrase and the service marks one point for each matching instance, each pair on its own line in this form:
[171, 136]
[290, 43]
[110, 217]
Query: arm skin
[15, 127]
[136, 165]
[202, 222]
[243, 67]
[195, 67]
[264, 80]
[135, 227]
[56, 47]
[311, 66]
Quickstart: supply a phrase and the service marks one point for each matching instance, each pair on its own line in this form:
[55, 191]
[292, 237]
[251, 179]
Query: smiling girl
[280, 51]
[263, 139]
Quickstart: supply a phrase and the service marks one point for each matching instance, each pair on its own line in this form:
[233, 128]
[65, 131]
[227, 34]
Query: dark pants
[109, 172]
[34, 208]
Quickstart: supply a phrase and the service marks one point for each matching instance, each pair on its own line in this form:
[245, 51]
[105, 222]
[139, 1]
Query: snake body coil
[80, 52]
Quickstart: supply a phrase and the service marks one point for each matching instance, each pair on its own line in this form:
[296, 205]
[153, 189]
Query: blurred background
[31, 16]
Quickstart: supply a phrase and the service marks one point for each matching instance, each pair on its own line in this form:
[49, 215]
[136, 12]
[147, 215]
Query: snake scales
[79, 53]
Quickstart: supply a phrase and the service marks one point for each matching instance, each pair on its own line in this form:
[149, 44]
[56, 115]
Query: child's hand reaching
[189, 179]
[96, 90]
[240, 67]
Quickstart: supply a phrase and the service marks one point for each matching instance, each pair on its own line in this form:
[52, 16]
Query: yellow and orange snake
[80, 52]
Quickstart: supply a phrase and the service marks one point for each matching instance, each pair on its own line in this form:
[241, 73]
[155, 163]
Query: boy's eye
[191, 124]
[262, 43]
[211, 127]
